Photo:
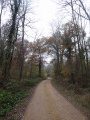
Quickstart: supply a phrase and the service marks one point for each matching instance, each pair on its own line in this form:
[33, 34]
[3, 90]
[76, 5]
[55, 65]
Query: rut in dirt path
[48, 104]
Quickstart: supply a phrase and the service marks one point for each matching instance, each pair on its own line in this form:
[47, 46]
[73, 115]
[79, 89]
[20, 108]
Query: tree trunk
[31, 70]
[10, 45]
[40, 66]
[22, 48]
[1, 44]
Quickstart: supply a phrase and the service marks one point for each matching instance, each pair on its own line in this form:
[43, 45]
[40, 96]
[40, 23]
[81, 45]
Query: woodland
[23, 63]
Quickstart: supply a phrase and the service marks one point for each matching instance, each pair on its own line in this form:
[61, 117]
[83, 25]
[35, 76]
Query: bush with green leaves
[8, 100]
[16, 91]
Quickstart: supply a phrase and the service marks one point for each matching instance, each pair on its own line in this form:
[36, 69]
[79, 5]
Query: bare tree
[78, 7]
[2, 5]
[15, 5]
[24, 11]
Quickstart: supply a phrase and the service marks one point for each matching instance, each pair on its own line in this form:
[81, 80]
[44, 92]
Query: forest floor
[80, 100]
[48, 104]
[18, 111]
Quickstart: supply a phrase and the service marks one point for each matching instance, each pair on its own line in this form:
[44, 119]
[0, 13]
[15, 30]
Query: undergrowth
[15, 92]
[73, 91]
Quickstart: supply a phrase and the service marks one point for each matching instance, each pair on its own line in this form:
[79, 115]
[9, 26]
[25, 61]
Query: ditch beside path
[48, 104]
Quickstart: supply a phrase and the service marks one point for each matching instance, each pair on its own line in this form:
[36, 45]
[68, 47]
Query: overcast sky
[45, 12]
[48, 13]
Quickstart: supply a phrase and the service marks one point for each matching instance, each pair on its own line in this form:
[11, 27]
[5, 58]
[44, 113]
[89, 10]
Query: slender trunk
[22, 49]
[83, 7]
[87, 66]
[1, 44]
[58, 62]
[0, 19]
[87, 59]
[40, 65]
[22, 45]
[58, 58]
[61, 56]
[31, 68]
[0, 27]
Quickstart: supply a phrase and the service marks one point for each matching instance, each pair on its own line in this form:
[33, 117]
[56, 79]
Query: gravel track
[48, 104]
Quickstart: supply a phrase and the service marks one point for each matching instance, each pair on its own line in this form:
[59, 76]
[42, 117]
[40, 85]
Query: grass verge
[80, 100]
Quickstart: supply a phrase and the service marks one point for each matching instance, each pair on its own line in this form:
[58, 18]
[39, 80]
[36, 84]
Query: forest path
[48, 104]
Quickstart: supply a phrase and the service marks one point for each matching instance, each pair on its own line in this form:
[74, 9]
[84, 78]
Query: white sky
[45, 12]
[48, 14]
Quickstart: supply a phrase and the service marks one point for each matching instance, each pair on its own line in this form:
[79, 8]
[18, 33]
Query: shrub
[16, 91]
[85, 100]
[6, 102]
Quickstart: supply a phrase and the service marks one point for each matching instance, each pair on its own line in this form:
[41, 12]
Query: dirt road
[48, 104]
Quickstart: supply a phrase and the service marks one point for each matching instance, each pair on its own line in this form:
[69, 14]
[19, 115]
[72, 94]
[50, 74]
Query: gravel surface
[48, 104]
